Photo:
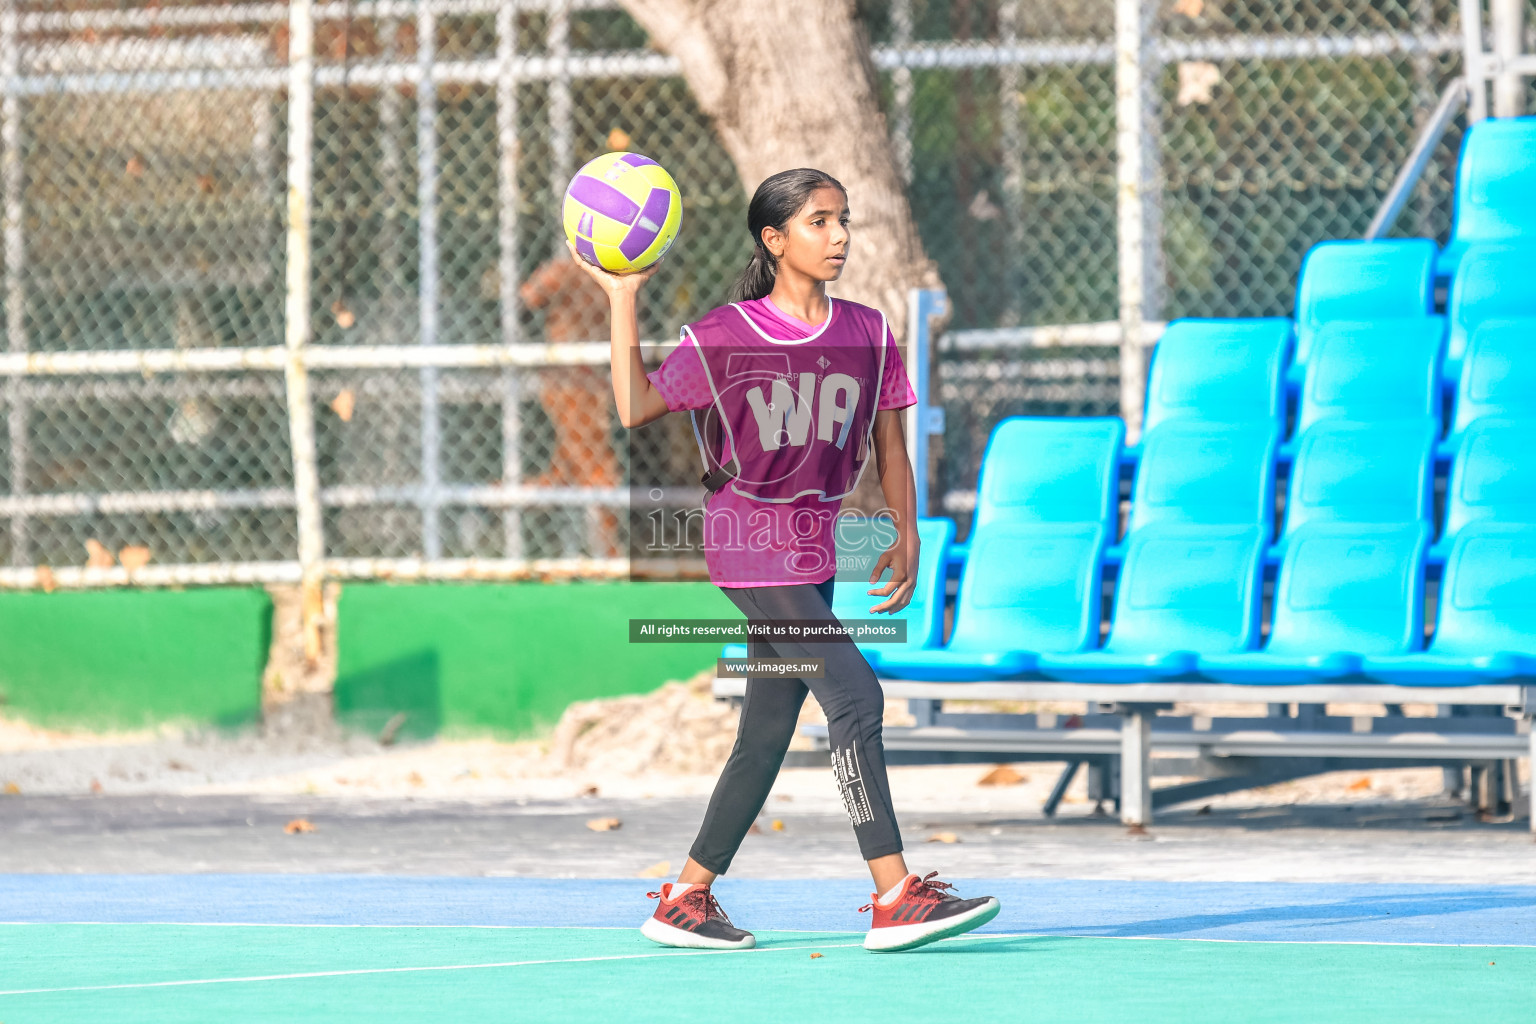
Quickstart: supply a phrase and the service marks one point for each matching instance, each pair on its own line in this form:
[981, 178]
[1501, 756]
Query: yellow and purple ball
[622, 212]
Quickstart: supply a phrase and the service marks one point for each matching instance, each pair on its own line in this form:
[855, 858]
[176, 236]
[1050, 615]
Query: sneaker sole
[666, 935]
[897, 937]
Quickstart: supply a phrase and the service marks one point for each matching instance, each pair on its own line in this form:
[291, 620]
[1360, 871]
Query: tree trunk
[789, 83]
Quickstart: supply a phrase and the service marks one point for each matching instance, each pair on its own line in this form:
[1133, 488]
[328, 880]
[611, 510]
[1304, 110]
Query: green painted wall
[131, 658]
[505, 658]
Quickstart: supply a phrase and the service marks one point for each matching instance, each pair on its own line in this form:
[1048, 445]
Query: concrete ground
[1421, 841]
[184, 801]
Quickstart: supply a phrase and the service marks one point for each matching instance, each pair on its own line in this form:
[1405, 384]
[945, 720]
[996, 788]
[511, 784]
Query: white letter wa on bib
[786, 420]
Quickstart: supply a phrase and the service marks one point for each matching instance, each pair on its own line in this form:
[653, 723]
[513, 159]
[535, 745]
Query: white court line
[791, 931]
[410, 970]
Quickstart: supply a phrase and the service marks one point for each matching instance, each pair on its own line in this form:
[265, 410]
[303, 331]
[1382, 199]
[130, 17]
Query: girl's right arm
[638, 400]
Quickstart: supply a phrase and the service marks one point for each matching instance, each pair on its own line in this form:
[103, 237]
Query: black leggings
[848, 693]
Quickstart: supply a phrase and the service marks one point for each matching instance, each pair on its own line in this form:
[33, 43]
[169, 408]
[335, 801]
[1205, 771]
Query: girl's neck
[800, 297]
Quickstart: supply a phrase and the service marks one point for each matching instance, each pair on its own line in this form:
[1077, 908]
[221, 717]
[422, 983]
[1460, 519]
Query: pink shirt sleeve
[680, 379]
[895, 390]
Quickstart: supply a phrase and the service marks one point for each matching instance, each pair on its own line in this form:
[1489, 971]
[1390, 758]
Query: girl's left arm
[900, 491]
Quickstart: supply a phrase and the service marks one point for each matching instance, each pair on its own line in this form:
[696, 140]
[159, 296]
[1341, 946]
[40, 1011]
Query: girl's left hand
[898, 592]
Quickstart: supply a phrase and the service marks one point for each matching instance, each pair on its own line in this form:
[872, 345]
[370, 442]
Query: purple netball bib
[795, 416]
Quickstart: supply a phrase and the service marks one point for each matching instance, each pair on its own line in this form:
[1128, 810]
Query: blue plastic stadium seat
[1196, 472]
[1386, 370]
[1486, 629]
[1493, 282]
[1388, 279]
[1362, 473]
[1495, 188]
[1184, 591]
[1344, 593]
[1222, 371]
[1050, 470]
[859, 544]
[1498, 375]
[1493, 478]
[1026, 588]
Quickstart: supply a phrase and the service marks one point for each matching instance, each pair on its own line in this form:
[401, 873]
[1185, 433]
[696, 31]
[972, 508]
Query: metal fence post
[901, 89]
[922, 419]
[12, 181]
[1134, 23]
[426, 273]
[1472, 59]
[387, 245]
[1012, 139]
[561, 143]
[296, 316]
[507, 269]
[562, 165]
[1508, 22]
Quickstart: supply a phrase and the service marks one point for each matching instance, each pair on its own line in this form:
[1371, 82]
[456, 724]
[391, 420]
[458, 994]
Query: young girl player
[791, 391]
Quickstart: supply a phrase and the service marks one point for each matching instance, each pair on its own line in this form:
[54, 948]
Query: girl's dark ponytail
[776, 200]
[757, 280]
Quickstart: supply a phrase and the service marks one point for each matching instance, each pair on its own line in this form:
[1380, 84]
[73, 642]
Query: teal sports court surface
[299, 948]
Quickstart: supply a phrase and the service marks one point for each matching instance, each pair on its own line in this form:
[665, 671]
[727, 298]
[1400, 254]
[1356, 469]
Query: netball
[622, 212]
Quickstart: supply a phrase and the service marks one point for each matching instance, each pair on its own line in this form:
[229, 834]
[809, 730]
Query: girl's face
[815, 241]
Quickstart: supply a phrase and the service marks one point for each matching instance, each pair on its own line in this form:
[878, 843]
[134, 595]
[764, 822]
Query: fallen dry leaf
[943, 837]
[46, 580]
[97, 556]
[604, 824]
[815, 956]
[392, 728]
[778, 826]
[415, 779]
[11, 789]
[618, 139]
[661, 869]
[134, 556]
[1197, 80]
[343, 405]
[588, 791]
[1002, 775]
[1364, 782]
[298, 825]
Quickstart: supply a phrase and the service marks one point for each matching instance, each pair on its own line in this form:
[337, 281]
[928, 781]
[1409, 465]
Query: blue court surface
[331, 948]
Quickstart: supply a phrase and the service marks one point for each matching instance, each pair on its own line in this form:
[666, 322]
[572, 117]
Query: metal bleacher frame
[1478, 735]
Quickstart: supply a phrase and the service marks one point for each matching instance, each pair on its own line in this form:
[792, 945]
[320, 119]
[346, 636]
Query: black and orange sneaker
[690, 917]
[922, 912]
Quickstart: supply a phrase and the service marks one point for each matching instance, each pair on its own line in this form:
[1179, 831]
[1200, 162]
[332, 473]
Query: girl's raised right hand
[614, 284]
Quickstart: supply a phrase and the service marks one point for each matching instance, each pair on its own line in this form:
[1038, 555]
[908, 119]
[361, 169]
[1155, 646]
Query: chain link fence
[170, 400]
